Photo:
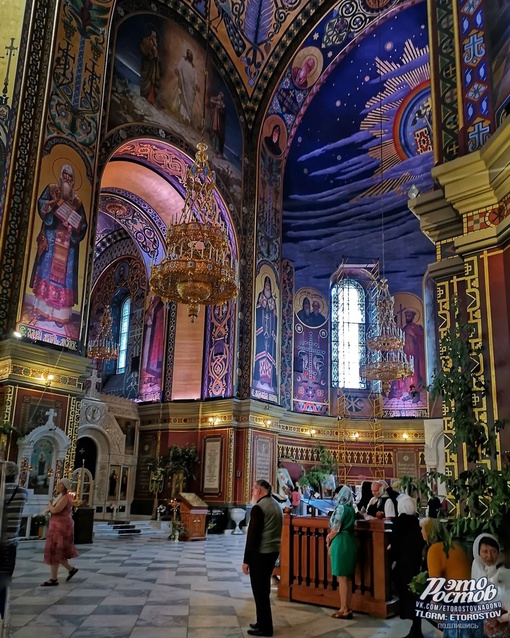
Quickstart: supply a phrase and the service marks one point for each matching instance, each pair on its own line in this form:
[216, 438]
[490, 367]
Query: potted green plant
[182, 460]
[481, 493]
[325, 467]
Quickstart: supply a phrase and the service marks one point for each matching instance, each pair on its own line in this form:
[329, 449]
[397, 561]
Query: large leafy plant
[183, 459]
[481, 493]
[457, 383]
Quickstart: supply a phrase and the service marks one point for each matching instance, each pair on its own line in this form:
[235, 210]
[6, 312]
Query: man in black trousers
[262, 549]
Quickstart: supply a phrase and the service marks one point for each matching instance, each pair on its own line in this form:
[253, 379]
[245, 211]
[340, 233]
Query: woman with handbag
[59, 546]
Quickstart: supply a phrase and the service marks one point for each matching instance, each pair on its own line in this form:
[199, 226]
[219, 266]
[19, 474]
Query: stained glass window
[123, 334]
[348, 322]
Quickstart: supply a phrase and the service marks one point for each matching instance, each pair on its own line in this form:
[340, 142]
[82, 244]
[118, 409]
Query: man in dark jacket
[262, 549]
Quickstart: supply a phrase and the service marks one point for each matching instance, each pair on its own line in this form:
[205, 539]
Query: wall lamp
[405, 436]
[47, 378]
[312, 432]
[213, 420]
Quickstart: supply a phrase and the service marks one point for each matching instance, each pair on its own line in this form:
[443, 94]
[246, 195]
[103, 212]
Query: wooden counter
[305, 570]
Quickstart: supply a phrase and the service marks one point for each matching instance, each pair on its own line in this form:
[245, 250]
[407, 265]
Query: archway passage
[86, 455]
[142, 192]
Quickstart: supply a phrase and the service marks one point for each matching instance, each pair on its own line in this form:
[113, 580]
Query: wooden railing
[305, 569]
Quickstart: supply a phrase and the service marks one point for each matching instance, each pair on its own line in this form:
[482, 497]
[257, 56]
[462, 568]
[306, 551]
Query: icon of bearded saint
[55, 273]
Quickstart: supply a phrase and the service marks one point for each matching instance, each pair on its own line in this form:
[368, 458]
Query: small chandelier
[386, 359]
[197, 269]
[103, 347]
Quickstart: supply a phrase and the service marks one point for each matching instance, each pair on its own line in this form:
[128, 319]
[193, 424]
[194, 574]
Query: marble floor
[153, 588]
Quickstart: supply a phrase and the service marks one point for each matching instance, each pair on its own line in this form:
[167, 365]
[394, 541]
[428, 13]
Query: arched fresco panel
[409, 397]
[311, 352]
[53, 300]
[158, 77]
[267, 325]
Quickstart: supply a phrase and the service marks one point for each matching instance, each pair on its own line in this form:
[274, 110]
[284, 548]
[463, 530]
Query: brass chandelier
[386, 359]
[103, 347]
[198, 268]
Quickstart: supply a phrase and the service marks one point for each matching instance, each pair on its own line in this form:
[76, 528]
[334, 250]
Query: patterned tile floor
[152, 588]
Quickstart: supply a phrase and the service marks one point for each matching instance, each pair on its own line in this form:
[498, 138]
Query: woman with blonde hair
[451, 564]
[59, 547]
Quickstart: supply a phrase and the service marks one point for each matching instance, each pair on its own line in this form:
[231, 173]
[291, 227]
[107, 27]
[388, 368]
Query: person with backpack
[15, 498]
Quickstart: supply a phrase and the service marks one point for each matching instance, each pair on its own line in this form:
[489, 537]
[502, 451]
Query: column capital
[479, 179]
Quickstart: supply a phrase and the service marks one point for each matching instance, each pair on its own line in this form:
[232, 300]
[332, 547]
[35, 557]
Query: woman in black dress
[407, 554]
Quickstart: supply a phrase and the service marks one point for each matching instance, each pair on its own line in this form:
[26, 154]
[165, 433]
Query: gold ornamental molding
[230, 471]
[481, 178]
[36, 366]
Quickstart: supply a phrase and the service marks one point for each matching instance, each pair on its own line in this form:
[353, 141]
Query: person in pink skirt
[59, 546]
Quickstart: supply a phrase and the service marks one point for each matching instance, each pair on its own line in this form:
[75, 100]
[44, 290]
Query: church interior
[358, 165]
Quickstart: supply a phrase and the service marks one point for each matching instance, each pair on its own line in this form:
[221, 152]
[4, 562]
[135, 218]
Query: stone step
[110, 529]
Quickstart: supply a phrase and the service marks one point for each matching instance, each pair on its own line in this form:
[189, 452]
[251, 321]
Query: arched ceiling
[147, 184]
[142, 189]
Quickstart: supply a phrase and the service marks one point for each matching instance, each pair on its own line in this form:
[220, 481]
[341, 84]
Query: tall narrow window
[348, 306]
[123, 334]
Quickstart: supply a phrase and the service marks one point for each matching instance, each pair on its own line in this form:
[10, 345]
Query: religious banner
[211, 478]
[262, 457]
[265, 378]
[408, 397]
[153, 350]
[311, 352]
[219, 351]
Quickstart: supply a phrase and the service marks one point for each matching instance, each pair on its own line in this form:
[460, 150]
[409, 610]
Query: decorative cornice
[480, 178]
[252, 415]
[438, 219]
[30, 364]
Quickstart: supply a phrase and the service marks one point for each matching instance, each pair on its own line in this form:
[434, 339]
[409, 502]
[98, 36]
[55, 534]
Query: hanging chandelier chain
[199, 267]
[386, 357]
[206, 63]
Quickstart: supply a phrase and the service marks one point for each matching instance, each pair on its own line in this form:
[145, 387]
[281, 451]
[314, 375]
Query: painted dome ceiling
[364, 140]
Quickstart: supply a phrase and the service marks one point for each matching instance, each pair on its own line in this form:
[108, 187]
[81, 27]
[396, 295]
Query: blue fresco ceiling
[364, 140]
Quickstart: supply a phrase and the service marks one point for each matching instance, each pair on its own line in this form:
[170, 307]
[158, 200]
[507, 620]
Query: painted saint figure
[304, 313]
[317, 318]
[186, 86]
[218, 123]
[272, 141]
[266, 339]
[301, 73]
[55, 273]
[414, 346]
[150, 72]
